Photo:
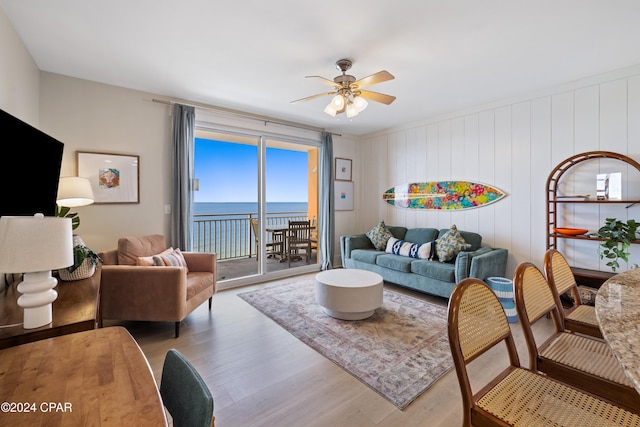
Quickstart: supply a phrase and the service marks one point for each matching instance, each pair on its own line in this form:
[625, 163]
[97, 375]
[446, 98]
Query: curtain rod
[240, 114]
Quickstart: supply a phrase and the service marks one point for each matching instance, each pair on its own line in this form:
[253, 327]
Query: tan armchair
[131, 288]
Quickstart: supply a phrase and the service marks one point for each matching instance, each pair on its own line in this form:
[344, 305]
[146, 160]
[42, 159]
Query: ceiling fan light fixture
[338, 102]
[360, 103]
[330, 109]
[352, 110]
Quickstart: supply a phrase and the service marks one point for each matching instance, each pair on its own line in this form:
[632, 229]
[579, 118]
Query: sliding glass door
[248, 189]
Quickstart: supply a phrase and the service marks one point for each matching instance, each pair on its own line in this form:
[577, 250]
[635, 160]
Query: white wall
[89, 116]
[19, 76]
[513, 145]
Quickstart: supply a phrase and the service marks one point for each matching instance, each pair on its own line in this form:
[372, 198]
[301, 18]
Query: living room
[512, 142]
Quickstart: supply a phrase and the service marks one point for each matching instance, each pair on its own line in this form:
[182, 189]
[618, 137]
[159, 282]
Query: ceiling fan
[348, 95]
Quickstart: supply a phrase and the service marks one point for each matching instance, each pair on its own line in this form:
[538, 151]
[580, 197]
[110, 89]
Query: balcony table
[98, 377]
[618, 314]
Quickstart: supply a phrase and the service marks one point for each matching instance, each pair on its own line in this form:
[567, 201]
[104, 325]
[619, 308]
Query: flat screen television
[30, 162]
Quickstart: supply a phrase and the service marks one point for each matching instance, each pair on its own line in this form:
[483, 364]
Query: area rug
[399, 352]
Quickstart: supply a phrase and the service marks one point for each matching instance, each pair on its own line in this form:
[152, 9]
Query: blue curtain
[184, 118]
[327, 209]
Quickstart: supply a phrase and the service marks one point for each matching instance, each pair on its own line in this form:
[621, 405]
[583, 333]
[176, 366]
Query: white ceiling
[253, 56]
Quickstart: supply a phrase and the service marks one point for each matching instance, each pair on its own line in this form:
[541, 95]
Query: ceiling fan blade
[309, 98]
[377, 97]
[379, 77]
[323, 80]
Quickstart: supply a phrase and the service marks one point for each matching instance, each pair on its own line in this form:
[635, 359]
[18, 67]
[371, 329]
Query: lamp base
[37, 296]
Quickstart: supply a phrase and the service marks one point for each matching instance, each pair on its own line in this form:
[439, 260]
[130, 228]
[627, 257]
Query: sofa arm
[482, 263]
[357, 241]
[490, 264]
[143, 293]
[200, 261]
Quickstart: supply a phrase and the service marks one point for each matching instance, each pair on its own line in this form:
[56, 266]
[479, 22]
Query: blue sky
[228, 172]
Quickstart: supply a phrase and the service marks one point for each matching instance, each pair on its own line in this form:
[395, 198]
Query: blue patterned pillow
[413, 250]
[379, 236]
[450, 244]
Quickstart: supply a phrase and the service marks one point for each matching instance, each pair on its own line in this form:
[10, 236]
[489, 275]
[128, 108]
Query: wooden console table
[75, 309]
[590, 278]
[91, 378]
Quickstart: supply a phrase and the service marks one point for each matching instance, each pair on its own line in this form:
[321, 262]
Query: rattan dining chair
[184, 393]
[578, 318]
[582, 361]
[517, 396]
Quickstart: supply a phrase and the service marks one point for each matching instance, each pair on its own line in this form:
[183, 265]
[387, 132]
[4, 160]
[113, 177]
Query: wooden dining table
[618, 314]
[98, 377]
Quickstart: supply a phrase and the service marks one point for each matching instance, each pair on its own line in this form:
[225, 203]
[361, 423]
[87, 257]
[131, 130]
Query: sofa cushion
[379, 236]
[449, 244]
[398, 232]
[420, 235]
[474, 239]
[172, 259]
[130, 248]
[410, 249]
[434, 269]
[365, 255]
[147, 261]
[395, 262]
[197, 282]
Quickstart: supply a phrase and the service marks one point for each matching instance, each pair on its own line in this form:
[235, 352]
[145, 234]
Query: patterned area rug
[399, 352]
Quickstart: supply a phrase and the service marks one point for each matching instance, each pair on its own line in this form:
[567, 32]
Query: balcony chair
[184, 393]
[275, 247]
[314, 234]
[517, 396]
[133, 288]
[299, 238]
[582, 361]
[578, 318]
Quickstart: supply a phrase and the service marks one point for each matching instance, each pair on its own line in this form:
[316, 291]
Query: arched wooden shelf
[552, 199]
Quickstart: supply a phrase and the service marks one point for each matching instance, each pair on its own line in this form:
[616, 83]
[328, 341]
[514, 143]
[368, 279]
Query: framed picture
[343, 169]
[343, 195]
[115, 178]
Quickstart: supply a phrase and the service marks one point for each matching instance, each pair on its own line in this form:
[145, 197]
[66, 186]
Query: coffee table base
[349, 294]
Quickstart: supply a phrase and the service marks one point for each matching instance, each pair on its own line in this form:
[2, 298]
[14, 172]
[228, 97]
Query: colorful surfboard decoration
[442, 195]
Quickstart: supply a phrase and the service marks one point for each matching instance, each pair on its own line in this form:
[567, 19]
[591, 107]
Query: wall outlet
[167, 209]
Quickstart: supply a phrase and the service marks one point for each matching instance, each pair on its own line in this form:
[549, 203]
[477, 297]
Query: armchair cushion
[148, 260]
[174, 259]
[130, 248]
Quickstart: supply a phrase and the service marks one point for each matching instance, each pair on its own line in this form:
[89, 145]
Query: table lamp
[35, 245]
[74, 191]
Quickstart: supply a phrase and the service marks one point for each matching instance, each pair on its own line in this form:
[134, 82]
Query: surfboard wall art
[442, 195]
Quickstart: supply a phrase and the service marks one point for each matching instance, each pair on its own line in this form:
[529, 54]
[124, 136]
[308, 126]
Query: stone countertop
[618, 313]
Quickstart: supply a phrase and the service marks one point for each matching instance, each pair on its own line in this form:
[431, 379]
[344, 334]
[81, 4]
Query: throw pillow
[413, 250]
[450, 244]
[147, 261]
[379, 235]
[173, 259]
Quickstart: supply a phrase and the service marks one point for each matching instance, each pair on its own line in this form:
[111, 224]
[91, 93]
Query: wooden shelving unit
[592, 278]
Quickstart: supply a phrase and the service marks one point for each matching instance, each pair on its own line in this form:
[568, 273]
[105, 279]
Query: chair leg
[210, 300]
[177, 329]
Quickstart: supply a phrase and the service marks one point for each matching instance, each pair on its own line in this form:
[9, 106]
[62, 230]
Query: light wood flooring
[260, 375]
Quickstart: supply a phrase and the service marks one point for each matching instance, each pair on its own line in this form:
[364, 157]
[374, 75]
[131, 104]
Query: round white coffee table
[349, 294]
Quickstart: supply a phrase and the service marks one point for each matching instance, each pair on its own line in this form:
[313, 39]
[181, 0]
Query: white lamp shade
[74, 191]
[360, 103]
[330, 110]
[35, 243]
[338, 102]
[352, 110]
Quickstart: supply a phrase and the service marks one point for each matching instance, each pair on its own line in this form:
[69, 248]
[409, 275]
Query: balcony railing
[230, 235]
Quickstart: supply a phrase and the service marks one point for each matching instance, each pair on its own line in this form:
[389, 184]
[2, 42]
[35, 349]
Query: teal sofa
[424, 275]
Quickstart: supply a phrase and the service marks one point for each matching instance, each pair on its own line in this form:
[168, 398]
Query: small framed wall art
[343, 169]
[115, 178]
[343, 196]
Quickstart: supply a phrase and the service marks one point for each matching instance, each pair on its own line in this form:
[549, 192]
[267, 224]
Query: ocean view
[225, 229]
[215, 208]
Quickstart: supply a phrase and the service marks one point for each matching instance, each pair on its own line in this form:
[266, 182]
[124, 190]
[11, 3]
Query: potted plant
[85, 262]
[617, 236]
